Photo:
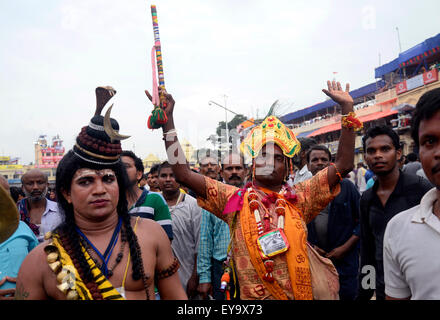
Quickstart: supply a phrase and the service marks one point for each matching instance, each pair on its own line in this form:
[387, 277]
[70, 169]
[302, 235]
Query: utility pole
[226, 123]
[226, 116]
[398, 38]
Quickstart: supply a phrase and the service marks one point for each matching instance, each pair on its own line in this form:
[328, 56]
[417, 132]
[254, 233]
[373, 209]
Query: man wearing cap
[267, 218]
[100, 252]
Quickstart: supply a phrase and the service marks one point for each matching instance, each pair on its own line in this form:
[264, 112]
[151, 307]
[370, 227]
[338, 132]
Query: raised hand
[338, 95]
[168, 99]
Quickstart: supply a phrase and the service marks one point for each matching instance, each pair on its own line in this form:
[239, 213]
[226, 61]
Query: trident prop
[158, 116]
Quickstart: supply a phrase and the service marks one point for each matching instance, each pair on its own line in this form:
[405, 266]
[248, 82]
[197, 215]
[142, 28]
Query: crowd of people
[281, 218]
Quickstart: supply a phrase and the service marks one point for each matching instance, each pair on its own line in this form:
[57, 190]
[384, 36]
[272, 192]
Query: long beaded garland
[262, 227]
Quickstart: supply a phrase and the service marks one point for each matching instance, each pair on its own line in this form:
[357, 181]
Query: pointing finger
[347, 87]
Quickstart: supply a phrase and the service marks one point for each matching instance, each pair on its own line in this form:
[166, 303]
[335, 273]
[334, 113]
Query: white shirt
[302, 175]
[360, 179]
[50, 219]
[411, 252]
[186, 216]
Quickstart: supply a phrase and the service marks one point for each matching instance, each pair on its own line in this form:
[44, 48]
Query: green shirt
[152, 205]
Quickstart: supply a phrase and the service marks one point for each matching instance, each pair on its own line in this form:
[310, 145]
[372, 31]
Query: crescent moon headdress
[100, 141]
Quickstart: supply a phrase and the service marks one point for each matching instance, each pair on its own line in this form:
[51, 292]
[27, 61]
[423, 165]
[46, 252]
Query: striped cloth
[152, 205]
[213, 243]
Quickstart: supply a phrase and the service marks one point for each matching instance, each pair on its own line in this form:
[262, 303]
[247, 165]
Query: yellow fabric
[106, 288]
[313, 196]
[80, 287]
[128, 259]
[270, 130]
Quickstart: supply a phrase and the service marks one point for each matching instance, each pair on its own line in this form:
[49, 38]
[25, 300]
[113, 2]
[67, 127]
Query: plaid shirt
[213, 243]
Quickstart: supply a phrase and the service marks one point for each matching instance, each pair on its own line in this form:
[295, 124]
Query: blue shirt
[213, 243]
[14, 250]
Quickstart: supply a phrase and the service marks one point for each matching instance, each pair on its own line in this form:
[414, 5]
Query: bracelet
[170, 132]
[168, 272]
[349, 121]
[337, 171]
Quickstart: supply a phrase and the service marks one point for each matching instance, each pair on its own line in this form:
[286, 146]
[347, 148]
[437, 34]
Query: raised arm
[176, 157]
[345, 156]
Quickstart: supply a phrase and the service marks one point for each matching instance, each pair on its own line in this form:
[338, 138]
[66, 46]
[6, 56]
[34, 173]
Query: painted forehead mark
[81, 173]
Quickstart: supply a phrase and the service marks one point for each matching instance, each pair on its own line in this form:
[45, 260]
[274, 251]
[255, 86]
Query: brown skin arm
[345, 154]
[391, 298]
[170, 288]
[176, 157]
[340, 252]
[7, 294]
[30, 279]
[193, 282]
[205, 289]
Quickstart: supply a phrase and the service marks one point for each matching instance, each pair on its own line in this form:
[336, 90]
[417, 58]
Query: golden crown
[271, 130]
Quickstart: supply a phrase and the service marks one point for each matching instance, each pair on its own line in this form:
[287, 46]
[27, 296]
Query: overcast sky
[54, 53]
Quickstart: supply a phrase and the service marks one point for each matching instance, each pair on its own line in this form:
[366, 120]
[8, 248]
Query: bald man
[39, 213]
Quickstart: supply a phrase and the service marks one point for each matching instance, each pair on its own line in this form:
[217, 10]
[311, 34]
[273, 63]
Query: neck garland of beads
[259, 203]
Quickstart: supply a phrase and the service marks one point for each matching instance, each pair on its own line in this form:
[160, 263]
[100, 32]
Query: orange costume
[288, 276]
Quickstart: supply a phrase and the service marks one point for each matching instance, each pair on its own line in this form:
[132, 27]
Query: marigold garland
[350, 121]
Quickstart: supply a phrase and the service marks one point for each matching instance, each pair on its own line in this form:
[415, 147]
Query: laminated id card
[272, 243]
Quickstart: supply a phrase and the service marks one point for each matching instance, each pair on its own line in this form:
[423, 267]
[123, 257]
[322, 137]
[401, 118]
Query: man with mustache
[214, 233]
[268, 218]
[209, 167]
[38, 212]
[393, 191]
[411, 255]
